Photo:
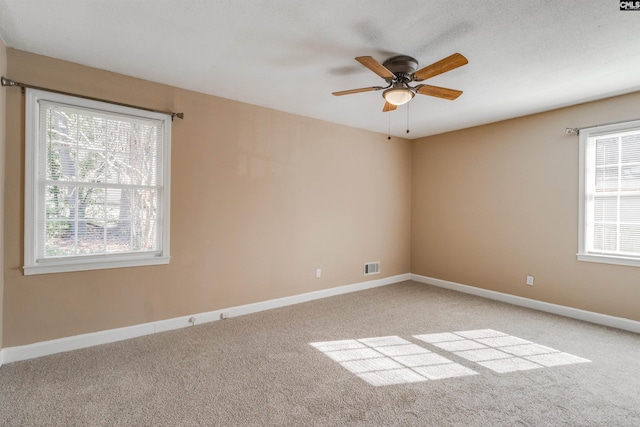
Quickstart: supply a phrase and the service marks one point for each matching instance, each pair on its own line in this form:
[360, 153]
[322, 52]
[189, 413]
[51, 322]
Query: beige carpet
[401, 355]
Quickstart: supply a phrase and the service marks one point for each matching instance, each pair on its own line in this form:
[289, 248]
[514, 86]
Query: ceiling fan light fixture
[398, 95]
[401, 70]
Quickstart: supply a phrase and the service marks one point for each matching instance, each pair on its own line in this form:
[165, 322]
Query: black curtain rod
[6, 82]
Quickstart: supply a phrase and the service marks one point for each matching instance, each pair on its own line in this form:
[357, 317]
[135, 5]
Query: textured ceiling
[524, 56]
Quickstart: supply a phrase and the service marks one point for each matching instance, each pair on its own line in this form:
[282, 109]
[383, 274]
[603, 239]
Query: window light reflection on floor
[498, 351]
[390, 360]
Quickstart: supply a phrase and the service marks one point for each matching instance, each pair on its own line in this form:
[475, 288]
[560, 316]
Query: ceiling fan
[400, 70]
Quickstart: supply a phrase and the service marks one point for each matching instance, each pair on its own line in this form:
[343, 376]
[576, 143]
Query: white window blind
[610, 199]
[97, 185]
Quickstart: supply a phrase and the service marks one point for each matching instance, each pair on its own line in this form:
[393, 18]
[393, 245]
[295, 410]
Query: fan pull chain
[389, 115]
[408, 117]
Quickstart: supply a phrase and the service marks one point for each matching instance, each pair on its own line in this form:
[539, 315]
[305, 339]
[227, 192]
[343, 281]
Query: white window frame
[34, 209]
[586, 169]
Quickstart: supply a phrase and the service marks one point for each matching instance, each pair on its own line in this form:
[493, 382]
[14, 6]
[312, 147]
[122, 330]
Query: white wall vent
[371, 268]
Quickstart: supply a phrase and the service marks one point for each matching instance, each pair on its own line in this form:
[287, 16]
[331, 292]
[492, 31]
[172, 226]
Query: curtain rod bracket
[7, 82]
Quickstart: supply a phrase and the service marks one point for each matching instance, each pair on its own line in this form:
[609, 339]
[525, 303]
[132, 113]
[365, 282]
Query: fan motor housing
[401, 65]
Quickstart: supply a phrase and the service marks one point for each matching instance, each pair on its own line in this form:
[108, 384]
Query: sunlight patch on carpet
[498, 351]
[390, 360]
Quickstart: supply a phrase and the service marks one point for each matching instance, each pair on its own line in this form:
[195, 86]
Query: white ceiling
[524, 56]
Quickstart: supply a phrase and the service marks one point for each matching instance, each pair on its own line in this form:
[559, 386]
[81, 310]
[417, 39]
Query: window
[96, 185]
[610, 194]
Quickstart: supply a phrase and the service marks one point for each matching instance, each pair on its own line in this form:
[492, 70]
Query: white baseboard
[44, 348]
[574, 313]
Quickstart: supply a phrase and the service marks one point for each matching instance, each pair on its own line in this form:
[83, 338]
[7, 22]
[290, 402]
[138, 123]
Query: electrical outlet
[530, 280]
[318, 272]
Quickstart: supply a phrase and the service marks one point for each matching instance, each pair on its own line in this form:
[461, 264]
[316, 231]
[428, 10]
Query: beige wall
[260, 199]
[495, 203]
[3, 72]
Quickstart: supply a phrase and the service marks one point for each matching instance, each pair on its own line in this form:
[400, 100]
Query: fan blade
[350, 91]
[376, 67]
[388, 107]
[439, 92]
[447, 64]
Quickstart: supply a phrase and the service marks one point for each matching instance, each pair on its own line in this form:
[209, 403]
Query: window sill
[92, 264]
[609, 259]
